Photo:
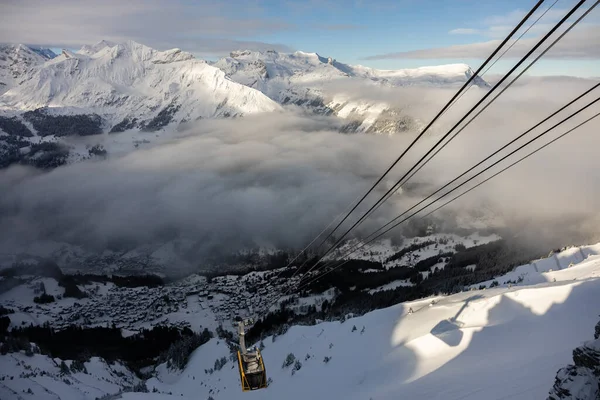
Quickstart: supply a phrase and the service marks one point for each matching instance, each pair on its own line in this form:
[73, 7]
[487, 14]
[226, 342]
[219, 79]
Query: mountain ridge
[304, 79]
[130, 87]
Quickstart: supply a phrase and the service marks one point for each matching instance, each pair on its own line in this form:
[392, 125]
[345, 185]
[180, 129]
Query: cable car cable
[302, 285]
[536, 6]
[458, 123]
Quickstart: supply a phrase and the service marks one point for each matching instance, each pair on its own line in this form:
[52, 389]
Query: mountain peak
[91, 50]
[252, 53]
[138, 51]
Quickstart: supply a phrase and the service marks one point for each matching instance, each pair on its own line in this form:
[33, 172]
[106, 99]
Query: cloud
[464, 31]
[281, 178]
[580, 44]
[271, 178]
[334, 7]
[203, 27]
[498, 26]
[338, 27]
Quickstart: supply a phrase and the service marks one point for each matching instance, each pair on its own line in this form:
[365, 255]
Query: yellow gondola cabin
[253, 374]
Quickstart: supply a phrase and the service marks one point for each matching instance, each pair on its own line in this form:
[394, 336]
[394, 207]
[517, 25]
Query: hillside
[507, 339]
[505, 342]
[40, 377]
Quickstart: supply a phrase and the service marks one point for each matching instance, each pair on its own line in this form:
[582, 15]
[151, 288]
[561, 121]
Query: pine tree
[64, 370]
[289, 360]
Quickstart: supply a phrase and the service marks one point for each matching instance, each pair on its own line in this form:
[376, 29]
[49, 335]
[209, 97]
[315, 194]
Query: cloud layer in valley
[280, 178]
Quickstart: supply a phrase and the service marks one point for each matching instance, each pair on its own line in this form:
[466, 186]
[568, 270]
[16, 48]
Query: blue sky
[376, 33]
[356, 30]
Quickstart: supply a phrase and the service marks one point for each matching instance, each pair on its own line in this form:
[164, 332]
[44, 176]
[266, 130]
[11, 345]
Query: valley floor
[499, 343]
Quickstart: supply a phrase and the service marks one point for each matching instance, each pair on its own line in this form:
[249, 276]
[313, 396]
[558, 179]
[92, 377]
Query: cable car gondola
[253, 374]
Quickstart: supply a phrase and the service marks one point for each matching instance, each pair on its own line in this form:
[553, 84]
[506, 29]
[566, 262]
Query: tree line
[161, 343]
[492, 260]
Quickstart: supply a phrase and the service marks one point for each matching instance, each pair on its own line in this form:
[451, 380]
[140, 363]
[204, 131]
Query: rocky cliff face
[580, 380]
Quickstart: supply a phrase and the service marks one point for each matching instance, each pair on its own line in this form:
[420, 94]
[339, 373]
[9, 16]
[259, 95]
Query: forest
[161, 343]
[492, 260]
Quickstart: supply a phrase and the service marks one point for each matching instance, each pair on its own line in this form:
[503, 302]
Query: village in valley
[192, 302]
[199, 301]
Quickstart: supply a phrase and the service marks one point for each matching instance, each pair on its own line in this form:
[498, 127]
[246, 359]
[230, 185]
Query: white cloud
[581, 43]
[281, 178]
[204, 27]
[464, 31]
[499, 26]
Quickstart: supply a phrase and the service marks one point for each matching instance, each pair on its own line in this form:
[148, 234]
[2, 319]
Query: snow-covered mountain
[135, 86]
[18, 63]
[107, 88]
[301, 78]
[277, 74]
[128, 87]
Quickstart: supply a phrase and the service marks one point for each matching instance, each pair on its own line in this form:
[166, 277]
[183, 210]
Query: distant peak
[104, 43]
[93, 49]
[246, 53]
[239, 53]
[66, 55]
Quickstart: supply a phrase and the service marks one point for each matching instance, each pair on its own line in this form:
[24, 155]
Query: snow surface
[391, 286]
[541, 270]
[483, 344]
[41, 374]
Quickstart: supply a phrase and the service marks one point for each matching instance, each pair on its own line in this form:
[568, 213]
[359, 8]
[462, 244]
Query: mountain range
[110, 88]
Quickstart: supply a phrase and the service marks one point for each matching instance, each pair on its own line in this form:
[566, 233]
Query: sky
[385, 34]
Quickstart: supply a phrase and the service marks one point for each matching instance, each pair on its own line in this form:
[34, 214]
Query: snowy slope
[534, 273]
[130, 80]
[381, 250]
[490, 344]
[40, 377]
[300, 78]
